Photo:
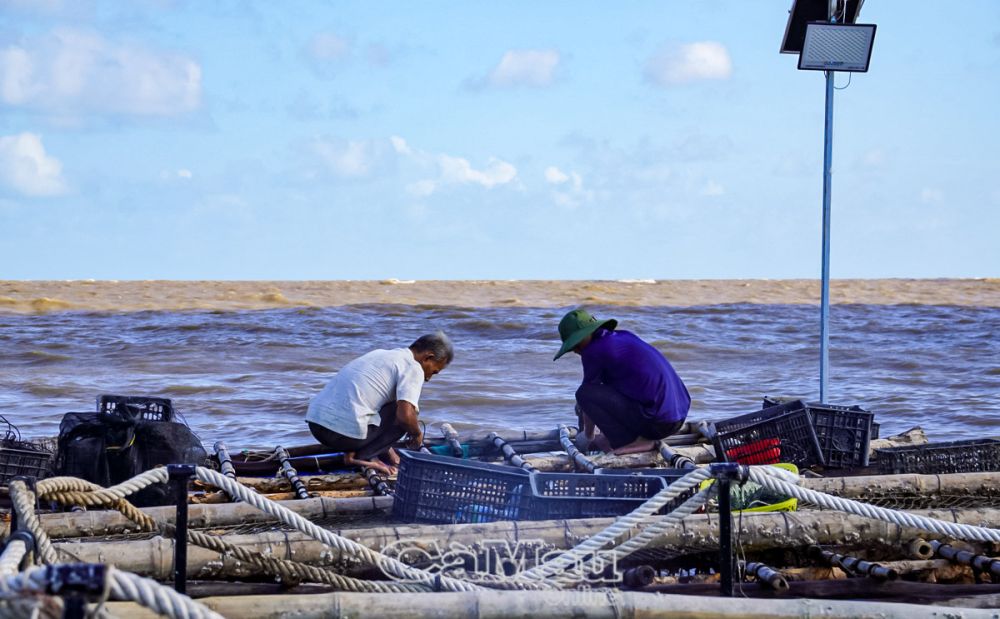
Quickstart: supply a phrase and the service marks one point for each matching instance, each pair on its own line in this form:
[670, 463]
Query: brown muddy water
[242, 359]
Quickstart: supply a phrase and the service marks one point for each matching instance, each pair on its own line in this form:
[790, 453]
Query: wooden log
[218, 498]
[100, 523]
[755, 531]
[94, 523]
[546, 605]
[340, 481]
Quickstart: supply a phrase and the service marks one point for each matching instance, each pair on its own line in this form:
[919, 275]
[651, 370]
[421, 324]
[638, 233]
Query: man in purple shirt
[629, 390]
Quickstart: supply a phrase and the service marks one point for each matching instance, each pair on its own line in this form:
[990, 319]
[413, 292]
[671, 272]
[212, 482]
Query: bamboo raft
[787, 561]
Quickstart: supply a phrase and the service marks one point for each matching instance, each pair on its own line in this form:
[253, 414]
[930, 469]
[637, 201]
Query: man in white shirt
[384, 384]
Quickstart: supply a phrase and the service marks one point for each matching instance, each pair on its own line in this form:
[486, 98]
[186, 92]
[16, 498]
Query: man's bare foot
[351, 460]
[638, 446]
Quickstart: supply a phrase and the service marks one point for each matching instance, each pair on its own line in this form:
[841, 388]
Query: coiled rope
[122, 585]
[778, 480]
[390, 566]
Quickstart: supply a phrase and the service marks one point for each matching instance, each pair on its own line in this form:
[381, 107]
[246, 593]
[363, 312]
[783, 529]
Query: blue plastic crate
[433, 488]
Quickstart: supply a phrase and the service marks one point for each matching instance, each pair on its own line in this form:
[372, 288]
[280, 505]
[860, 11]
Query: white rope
[157, 597]
[389, 565]
[126, 488]
[774, 479]
[23, 501]
[124, 586]
[13, 554]
[627, 523]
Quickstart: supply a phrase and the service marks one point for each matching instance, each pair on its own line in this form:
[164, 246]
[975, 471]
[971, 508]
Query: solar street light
[836, 44]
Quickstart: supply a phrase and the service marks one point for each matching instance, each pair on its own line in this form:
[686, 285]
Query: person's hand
[416, 442]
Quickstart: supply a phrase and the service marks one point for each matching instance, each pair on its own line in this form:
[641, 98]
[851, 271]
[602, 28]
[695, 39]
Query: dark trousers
[620, 418]
[378, 440]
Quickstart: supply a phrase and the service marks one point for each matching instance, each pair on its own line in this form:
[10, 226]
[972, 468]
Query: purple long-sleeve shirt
[638, 371]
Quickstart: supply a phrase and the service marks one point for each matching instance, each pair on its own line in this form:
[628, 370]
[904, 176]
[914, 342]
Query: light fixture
[837, 47]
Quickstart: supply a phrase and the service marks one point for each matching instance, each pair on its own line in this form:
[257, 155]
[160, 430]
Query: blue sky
[435, 140]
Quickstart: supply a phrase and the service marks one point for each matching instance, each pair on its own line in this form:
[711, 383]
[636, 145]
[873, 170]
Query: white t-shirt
[351, 400]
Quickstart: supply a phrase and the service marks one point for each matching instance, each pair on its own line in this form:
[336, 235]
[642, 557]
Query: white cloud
[350, 158]
[400, 145]
[527, 67]
[75, 71]
[422, 188]
[929, 195]
[691, 62]
[570, 193]
[25, 166]
[555, 176]
[874, 157]
[451, 170]
[713, 189]
[327, 46]
[182, 174]
[459, 171]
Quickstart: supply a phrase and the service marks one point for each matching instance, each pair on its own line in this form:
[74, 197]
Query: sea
[241, 359]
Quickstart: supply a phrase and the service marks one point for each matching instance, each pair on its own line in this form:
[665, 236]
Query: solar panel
[805, 11]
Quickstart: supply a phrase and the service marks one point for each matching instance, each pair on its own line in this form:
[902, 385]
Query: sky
[201, 139]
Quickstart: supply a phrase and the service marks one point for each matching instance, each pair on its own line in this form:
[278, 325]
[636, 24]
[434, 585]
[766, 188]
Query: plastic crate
[433, 488]
[23, 458]
[937, 458]
[780, 433]
[139, 408]
[556, 496]
[844, 434]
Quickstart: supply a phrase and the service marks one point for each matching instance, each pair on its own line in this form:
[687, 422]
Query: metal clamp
[77, 584]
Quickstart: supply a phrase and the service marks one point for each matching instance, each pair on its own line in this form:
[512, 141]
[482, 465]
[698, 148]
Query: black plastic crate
[556, 496]
[844, 434]
[433, 488]
[139, 408]
[23, 458]
[780, 433]
[938, 458]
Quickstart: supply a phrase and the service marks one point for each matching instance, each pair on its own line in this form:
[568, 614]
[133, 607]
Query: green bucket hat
[576, 326]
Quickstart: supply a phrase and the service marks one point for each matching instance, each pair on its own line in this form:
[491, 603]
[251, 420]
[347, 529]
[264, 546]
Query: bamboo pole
[100, 523]
[221, 498]
[153, 557]
[339, 481]
[547, 605]
[974, 484]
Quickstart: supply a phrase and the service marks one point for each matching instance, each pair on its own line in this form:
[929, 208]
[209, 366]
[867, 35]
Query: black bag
[109, 448]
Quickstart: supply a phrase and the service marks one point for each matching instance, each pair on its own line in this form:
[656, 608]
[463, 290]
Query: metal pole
[726, 561]
[179, 475]
[824, 324]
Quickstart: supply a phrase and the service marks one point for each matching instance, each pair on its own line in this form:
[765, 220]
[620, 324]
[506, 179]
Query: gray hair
[437, 344]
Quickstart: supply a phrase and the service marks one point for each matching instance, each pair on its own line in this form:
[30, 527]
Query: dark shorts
[377, 441]
[620, 418]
